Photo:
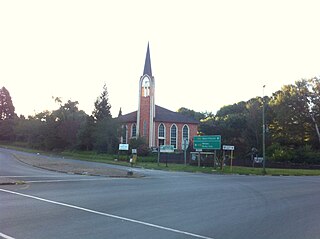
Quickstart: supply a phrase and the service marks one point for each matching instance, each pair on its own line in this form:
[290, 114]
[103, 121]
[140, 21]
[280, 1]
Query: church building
[159, 126]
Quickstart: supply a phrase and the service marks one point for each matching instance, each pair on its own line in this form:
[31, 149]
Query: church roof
[162, 115]
[147, 65]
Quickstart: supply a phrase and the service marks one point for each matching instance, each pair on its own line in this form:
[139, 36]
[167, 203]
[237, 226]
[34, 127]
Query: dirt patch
[59, 165]
[9, 181]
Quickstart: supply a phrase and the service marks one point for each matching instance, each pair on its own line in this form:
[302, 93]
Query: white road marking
[5, 236]
[40, 176]
[107, 215]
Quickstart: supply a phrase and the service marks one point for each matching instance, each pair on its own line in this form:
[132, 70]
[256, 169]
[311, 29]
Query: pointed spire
[147, 65]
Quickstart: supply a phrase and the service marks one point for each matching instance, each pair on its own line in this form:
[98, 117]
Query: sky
[204, 53]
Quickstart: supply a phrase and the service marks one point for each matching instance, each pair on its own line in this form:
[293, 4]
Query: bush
[307, 155]
[301, 155]
[281, 153]
[141, 146]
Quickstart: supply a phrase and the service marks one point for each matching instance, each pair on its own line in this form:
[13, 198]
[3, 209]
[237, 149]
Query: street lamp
[263, 133]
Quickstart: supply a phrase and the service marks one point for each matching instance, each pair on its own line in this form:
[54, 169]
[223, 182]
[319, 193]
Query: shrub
[281, 153]
[141, 146]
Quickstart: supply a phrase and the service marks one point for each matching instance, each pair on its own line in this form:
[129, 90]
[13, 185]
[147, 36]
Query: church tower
[146, 109]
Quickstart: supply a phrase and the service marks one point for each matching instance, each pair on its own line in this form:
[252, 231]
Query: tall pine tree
[6, 105]
[105, 133]
[102, 106]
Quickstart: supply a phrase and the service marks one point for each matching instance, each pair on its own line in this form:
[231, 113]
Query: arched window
[144, 133]
[173, 136]
[185, 136]
[145, 87]
[134, 131]
[124, 139]
[161, 131]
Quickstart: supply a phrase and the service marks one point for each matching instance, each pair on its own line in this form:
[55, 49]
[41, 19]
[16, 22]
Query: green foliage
[102, 106]
[7, 129]
[292, 116]
[6, 105]
[85, 134]
[141, 146]
[280, 153]
[6, 116]
[106, 136]
[193, 114]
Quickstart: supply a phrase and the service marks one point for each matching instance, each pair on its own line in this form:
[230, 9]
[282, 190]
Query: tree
[67, 121]
[253, 131]
[6, 115]
[313, 100]
[106, 136]
[6, 105]
[193, 114]
[291, 122]
[85, 134]
[102, 106]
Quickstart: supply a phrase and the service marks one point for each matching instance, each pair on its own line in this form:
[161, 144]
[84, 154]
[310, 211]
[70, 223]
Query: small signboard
[228, 147]
[123, 146]
[258, 159]
[166, 149]
[134, 151]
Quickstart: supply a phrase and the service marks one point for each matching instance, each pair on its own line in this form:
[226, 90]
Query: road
[160, 205]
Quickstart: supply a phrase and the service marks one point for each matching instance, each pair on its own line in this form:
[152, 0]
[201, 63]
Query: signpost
[258, 159]
[123, 147]
[207, 142]
[166, 149]
[210, 142]
[228, 148]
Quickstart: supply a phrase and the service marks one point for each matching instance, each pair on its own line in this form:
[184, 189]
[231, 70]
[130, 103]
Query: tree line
[292, 115]
[65, 128]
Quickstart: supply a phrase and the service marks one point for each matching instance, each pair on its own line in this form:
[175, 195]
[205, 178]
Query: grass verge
[150, 163]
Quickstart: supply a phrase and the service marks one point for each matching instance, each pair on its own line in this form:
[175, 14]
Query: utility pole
[263, 133]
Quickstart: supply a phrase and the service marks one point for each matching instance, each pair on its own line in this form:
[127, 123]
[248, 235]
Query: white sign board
[228, 147]
[123, 146]
[258, 159]
[166, 149]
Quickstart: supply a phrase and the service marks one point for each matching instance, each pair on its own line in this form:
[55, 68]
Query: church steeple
[147, 65]
[146, 111]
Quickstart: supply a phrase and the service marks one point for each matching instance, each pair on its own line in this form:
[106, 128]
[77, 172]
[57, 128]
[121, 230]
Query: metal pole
[185, 151]
[159, 155]
[263, 134]
[231, 160]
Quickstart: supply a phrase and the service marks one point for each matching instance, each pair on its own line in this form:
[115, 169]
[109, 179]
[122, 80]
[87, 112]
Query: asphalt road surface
[160, 205]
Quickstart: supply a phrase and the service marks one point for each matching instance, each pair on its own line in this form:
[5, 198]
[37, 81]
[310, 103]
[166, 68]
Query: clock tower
[146, 108]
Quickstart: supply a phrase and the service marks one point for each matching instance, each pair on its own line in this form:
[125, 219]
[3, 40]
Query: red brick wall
[193, 130]
[144, 116]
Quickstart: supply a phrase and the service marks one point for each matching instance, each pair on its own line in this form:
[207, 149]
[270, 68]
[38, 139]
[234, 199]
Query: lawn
[150, 162]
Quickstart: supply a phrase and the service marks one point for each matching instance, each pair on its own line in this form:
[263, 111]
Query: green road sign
[207, 142]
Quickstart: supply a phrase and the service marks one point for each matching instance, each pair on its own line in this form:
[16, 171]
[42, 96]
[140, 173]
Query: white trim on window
[163, 132]
[134, 130]
[174, 138]
[183, 135]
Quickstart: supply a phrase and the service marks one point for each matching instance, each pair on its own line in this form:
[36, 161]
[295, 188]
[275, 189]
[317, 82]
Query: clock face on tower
[146, 87]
